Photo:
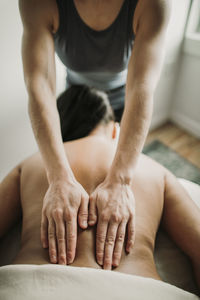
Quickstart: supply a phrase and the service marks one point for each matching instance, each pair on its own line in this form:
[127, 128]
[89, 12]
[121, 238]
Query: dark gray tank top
[96, 58]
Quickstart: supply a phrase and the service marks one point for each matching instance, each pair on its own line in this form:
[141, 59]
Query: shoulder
[150, 166]
[32, 158]
[152, 14]
[17, 170]
[35, 12]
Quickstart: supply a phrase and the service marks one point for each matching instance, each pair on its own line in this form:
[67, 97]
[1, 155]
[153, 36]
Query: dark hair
[81, 109]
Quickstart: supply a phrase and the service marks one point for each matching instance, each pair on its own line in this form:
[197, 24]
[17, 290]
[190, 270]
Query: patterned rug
[167, 157]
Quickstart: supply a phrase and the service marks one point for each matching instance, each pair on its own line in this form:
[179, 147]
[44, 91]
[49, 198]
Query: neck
[105, 132]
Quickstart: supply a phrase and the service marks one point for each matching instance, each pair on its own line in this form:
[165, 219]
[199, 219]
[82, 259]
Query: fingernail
[129, 249]
[106, 267]
[85, 223]
[115, 263]
[91, 222]
[69, 260]
[100, 262]
[54, 259]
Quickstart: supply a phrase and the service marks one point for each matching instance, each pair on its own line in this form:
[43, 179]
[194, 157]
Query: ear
[115, 130]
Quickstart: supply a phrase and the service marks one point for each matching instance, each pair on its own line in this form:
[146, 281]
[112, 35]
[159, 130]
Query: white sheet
[30, 282]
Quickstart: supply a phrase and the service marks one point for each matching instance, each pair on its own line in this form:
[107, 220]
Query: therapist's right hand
[64, 202]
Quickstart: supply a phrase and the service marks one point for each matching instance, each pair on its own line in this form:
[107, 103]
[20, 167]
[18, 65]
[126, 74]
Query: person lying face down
[90, 139]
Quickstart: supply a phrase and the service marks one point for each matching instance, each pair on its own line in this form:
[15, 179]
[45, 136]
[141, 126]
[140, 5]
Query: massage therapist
[113, 45]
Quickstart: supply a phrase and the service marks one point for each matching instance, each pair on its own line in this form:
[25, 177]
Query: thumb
[131, 235]
[92, 211]
[83, 213]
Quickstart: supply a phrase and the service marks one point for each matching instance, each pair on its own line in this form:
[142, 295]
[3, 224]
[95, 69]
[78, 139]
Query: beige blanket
[30, 282]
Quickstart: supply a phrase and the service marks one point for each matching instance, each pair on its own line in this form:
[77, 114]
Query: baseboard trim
[186, 123]
[158, 120]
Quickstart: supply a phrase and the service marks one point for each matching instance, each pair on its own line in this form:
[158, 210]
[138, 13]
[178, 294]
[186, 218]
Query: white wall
[16, 135]
[185, 109]
[165, 89]
[15, 132]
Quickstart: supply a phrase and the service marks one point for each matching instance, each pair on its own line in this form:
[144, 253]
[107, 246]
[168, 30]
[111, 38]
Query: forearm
[134, 127]
[144, 70]
[46, 126]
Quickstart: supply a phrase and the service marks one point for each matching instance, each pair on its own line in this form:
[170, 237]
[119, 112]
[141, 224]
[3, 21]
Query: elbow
[38, 86]
[141, 94]
[41, 97]
[147, 88]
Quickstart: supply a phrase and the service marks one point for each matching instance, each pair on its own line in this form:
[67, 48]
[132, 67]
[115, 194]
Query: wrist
[60, 174]
[121, 171]
[120, 176]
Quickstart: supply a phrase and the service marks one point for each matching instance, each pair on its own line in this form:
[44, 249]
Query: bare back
[90, 159]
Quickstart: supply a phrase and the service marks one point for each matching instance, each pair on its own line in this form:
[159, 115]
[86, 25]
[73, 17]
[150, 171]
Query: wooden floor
[179, 140]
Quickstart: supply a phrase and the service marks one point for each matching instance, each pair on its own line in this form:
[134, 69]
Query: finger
[52, 241]
[131, 235]
[44, 231]
[92, 211]
[119, 244]
[109, 246]
[83, 213]
[61, 243]
[100, 240]
[71, 232]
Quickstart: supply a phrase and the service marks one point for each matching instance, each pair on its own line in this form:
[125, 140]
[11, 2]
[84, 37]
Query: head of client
[85, 111]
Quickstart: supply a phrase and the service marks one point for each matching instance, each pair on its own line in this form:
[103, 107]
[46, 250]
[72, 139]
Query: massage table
[50, 281]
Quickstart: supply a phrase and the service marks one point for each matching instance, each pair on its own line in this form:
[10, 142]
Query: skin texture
[65, 194]
[160, 200]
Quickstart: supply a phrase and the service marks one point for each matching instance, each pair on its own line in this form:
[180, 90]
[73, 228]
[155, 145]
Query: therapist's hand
[63, 203]
[112, 206]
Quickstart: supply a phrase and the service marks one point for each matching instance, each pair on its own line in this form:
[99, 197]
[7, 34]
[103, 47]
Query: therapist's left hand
[112, 207]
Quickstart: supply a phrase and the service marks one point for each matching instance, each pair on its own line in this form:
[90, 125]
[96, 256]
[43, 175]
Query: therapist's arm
[65, 196]
[113, 200]
[143, 73]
